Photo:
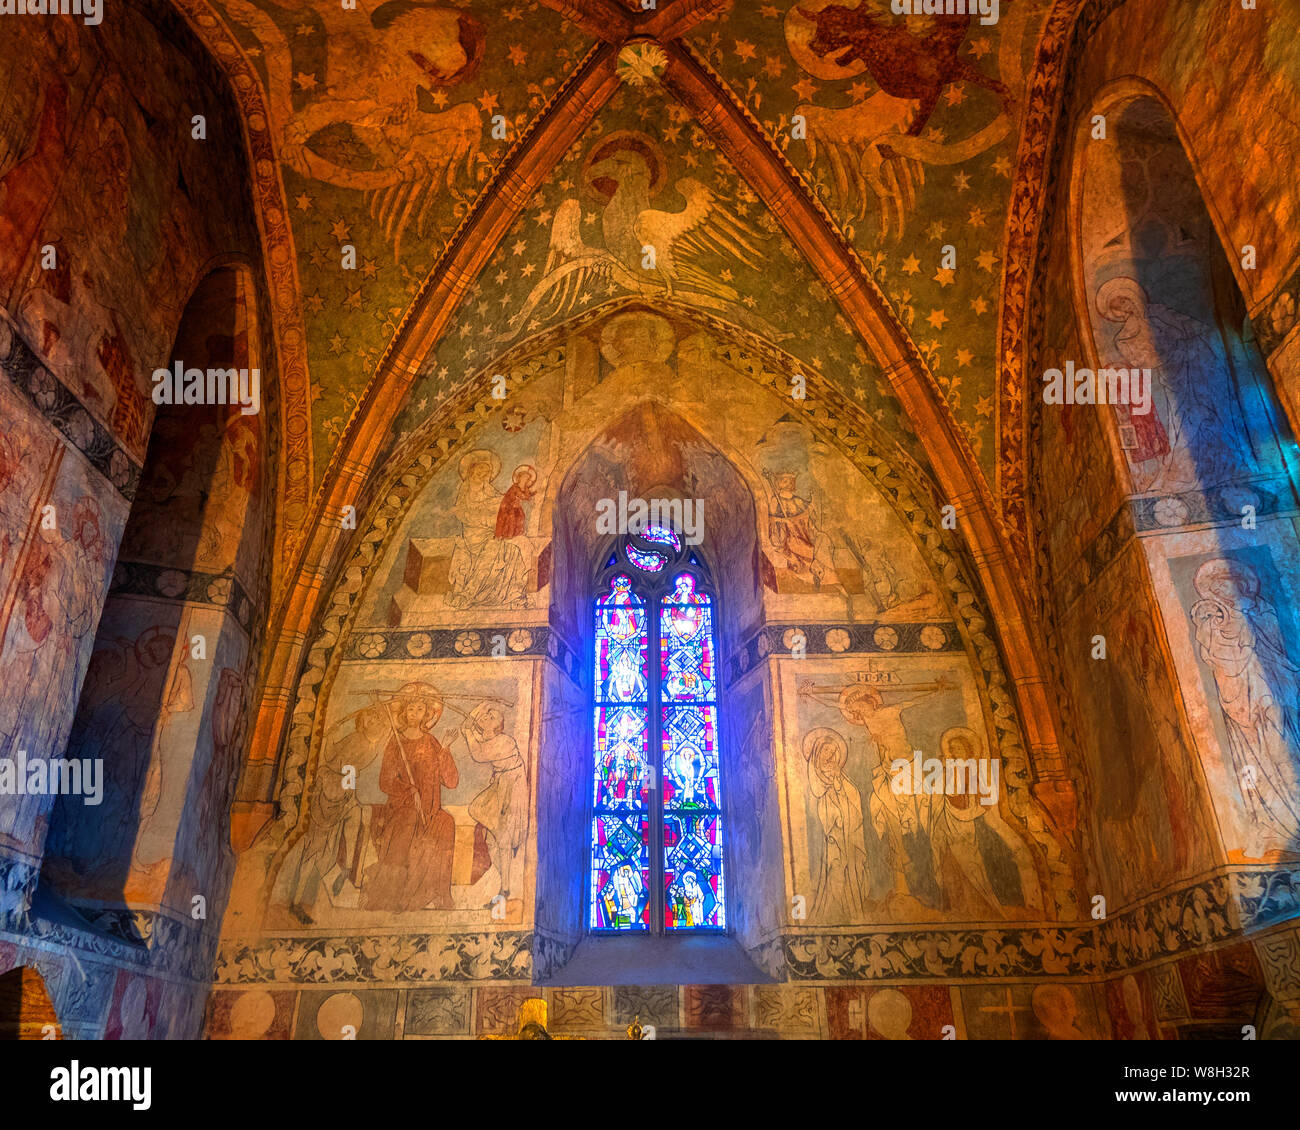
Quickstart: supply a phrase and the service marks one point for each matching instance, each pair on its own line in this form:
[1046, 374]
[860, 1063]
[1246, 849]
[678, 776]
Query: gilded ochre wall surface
[966, 349]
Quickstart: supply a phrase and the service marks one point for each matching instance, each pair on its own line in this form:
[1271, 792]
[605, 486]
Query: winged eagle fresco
[627, 173]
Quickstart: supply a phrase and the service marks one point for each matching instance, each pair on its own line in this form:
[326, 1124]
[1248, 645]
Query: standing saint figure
[1203, 437]
[1238, 637]
[414, 836]
[842, 881]
[502, 807]
[961, 867]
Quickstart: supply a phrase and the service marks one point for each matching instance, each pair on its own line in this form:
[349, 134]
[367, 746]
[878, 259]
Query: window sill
[713, 959]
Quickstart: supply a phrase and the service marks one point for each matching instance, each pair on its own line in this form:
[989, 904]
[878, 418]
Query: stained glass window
[656, 830]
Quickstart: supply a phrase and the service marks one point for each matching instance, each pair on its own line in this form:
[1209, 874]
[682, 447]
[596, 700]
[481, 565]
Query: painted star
[943, 276]
[986, 261]
[979, 306]
[744, 50]
[303, 202]
[964, 357]
[911, 265]
[340, 231]
[804, 89]
[937, 319]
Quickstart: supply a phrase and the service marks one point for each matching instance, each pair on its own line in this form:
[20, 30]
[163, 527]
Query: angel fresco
[387, 91]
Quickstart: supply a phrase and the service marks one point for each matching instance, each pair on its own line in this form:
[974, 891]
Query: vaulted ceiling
[822, 175]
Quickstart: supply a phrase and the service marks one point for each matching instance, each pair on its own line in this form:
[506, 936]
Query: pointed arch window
[656, 822]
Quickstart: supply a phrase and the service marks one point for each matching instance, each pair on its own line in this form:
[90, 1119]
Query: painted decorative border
[180, 948]
[1137, 518]
[1203, 915]
[1277, 316]
[1029, 226]
[53, 401]
[928, 637]
[505, 641]
[400, 958]
[221, 590]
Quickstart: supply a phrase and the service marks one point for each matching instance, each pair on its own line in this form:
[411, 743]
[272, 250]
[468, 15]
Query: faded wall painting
[870, 841]
[1146, 809]
[1162, 297]
[421, 806]
[168, 691]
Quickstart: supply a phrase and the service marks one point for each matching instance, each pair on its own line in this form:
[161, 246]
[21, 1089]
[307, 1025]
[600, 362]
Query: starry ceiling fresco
[388, 126]
[391, 127]
[645, 174]
[910, 141]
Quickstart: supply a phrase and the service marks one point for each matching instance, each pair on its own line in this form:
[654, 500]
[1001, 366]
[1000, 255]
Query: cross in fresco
[1010, 1008]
